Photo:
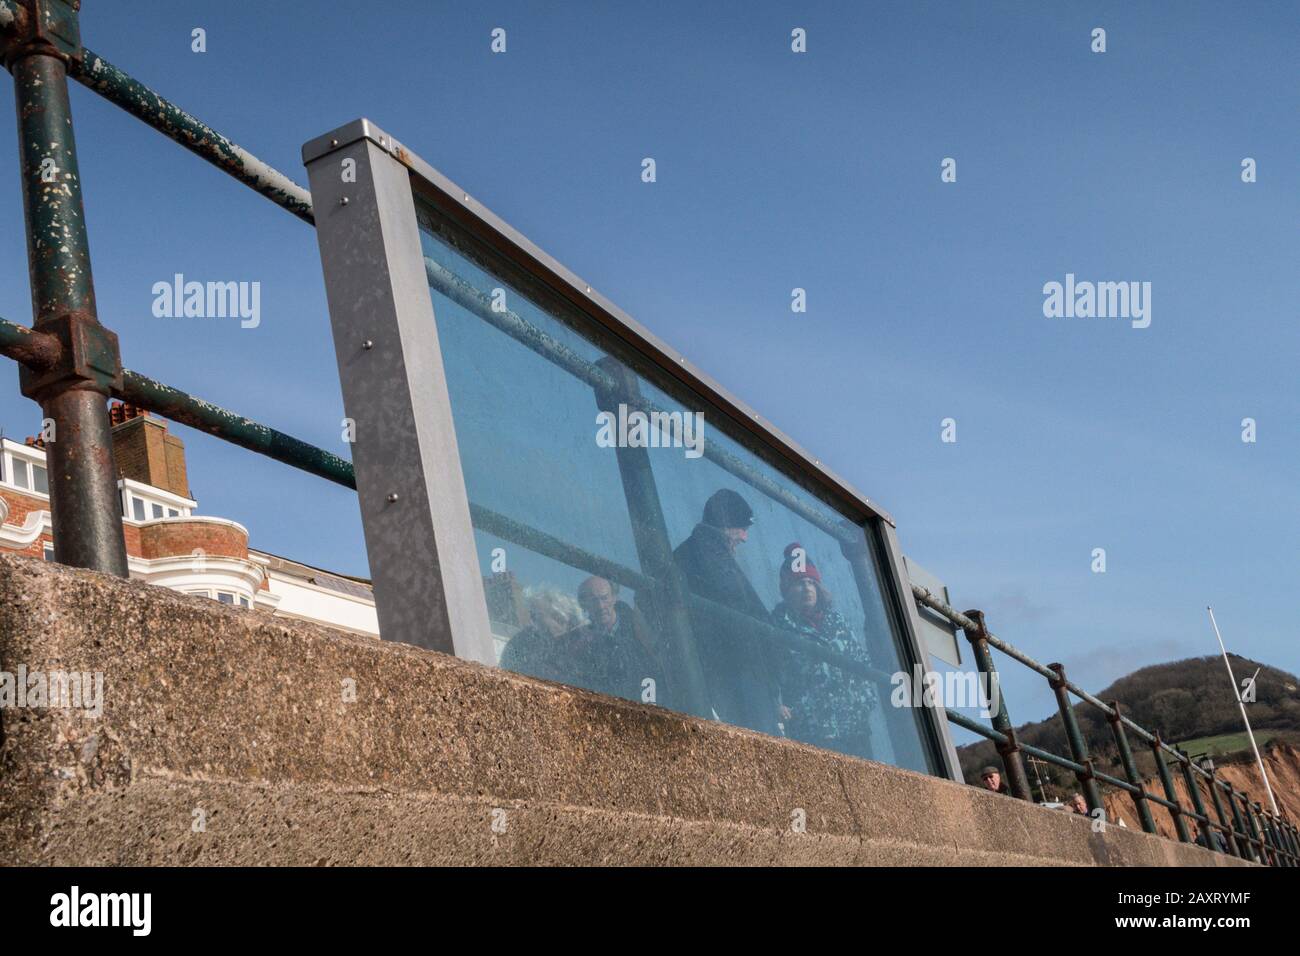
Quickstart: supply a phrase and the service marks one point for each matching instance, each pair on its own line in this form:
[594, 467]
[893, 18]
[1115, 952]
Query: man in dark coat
[737, 661]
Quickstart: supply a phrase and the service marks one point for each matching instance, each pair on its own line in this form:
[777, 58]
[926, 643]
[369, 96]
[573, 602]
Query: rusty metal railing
[1249, 830]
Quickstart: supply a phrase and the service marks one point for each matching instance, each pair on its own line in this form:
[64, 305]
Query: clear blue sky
[778, 170]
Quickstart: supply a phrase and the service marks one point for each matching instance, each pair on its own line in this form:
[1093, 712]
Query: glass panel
[643, 552]
[172, 513]
[225, 597]
[137, 509]
[20, 473]
[49, 552]
[155, 509]
[41, 480]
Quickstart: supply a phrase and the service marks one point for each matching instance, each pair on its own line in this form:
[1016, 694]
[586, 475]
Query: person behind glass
[735, 659]
[991, 778]
[825, 705]
[534, 650]
[617, 638]
[602, 654]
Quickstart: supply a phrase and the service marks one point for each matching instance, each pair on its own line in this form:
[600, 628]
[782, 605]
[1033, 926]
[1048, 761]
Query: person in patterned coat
[825, 705]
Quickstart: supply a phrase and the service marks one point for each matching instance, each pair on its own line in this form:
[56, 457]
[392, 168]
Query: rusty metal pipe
[95, 73]
[84, 502]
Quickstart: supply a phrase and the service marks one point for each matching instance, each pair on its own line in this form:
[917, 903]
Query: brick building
[167, 543]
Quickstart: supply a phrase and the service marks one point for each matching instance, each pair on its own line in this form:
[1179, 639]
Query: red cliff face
[1281, 760]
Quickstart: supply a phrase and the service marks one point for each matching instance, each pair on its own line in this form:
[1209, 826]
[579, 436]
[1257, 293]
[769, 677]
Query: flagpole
[1250, 733]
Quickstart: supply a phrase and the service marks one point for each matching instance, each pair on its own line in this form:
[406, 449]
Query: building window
[28, 475]
[245, 602]
[49, 551]
[155, 509]
[225, 597]
[137, 509]
[173, 513]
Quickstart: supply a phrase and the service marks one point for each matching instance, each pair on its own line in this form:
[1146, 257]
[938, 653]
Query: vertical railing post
[1239, 825]
[1260, 852]
[1012, 761]
[688, 688]
[1167, 781]
[1229, 836]
[84, 502]
[1260, 825]
[1288, 828]
[1078, 746]
[1194, 794]
[1275, 834]
[1130, 768]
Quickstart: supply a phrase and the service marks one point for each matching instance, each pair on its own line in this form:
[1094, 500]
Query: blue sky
[776, 171]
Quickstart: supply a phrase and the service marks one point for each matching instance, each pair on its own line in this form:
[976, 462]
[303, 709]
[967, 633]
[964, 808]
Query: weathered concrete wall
[214, 709]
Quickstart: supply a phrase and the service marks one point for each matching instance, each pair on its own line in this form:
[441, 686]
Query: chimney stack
[146, 451]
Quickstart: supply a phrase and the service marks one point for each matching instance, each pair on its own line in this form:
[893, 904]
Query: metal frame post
[688, 687]
[930, 720]
[414, 508]
[1078, 746]
[1130, 768]
[1017, 779]
[72, 387]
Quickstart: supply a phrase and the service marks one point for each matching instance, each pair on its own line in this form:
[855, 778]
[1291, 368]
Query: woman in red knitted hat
[829, 705]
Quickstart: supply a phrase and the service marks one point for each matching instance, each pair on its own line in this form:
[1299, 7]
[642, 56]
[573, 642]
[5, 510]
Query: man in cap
[991, 777]
[735, 658]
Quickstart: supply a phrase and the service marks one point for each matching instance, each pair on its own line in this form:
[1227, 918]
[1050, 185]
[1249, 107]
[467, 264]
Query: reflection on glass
[629, 545]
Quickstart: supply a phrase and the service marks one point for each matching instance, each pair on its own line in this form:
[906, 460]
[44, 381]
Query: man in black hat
[736, 660]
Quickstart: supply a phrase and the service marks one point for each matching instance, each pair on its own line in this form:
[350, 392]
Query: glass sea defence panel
[632, 544]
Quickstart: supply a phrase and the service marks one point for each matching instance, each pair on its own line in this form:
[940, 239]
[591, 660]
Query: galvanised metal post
[1167, 781]
[1078, 746]
[1017, 779]
[72, 390]
[1194, 792]
[1230, 837]
[1130, 768]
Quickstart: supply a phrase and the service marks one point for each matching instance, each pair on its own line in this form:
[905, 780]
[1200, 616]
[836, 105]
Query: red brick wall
[181, 536]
